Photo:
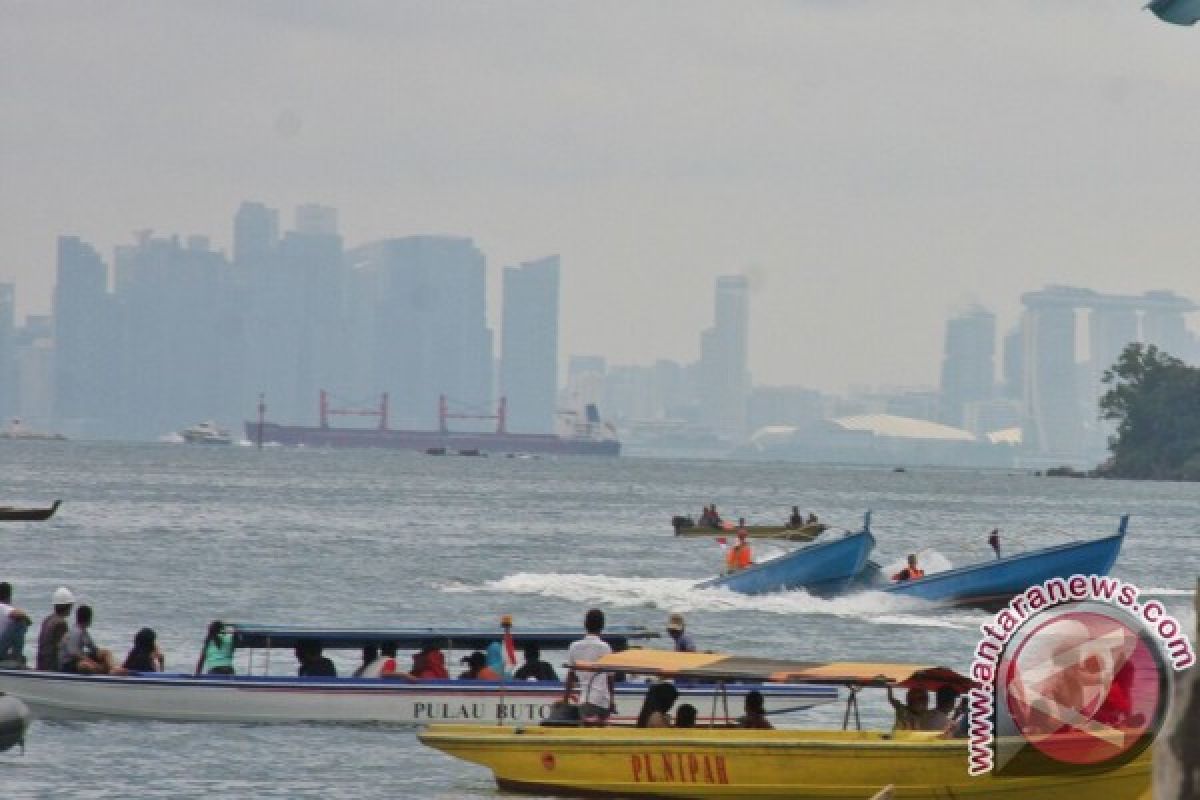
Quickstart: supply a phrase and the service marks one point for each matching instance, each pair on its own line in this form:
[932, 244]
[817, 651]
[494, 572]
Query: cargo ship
[580, 434]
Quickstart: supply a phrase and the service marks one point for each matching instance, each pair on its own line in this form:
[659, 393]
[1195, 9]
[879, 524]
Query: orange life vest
[909, 574]
[739, 557]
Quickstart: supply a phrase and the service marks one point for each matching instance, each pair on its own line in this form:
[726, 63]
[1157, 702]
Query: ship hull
[547, 444]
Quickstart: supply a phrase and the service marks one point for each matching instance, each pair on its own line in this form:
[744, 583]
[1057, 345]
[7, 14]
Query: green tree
[1155, 400]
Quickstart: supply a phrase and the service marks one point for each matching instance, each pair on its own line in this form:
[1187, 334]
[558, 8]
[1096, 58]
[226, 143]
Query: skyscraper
[417, 310]
[723, 367]
[968, 366]
[529, 345]
[255, 235]
[1053, 425]
[9, 391]
[83, 338]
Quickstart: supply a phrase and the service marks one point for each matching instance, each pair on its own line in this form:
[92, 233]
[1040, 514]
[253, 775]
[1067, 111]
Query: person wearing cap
[477, 668]
[739, 556]
[53, 630]
[675, 629]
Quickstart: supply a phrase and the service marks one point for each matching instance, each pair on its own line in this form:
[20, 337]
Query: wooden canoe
[9, 513]
[805, 533]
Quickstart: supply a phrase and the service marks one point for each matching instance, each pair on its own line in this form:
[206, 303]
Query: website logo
[1073, 674]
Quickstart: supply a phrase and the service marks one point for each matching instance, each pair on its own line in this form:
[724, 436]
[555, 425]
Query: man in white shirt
[596, 698]
[13, 624]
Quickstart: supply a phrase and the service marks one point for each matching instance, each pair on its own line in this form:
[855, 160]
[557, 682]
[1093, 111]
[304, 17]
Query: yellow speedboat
[733, 763]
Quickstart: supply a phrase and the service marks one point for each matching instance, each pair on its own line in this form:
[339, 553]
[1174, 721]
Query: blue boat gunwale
[369, 684]
[774, 563]
[1006, 560]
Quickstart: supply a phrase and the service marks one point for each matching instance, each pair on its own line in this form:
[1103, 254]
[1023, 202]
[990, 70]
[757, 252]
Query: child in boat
[685, 716]
[756, 712]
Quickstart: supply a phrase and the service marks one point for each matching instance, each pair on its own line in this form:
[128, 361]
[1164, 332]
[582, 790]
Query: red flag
[510, 652]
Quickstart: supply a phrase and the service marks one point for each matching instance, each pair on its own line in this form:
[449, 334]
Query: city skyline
[667, 146]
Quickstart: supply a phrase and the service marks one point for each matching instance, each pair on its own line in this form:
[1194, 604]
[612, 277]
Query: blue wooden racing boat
[825, 568]
[994, 583]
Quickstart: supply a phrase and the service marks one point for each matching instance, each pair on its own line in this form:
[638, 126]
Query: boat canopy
[711, 667]
[247, 635]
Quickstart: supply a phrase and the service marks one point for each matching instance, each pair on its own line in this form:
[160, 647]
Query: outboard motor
[14, 720]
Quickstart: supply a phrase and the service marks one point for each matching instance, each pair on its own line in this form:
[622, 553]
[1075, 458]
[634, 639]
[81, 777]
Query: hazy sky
[873, 166]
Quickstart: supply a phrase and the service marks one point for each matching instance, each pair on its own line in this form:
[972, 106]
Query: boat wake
[679, 594]
[1154, 592]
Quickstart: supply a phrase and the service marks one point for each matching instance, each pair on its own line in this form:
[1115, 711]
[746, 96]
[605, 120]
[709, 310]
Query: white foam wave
[1154, 592]
[681, 595]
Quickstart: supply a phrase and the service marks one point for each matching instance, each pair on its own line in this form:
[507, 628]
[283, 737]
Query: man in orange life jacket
[911, 572]
[739, 556]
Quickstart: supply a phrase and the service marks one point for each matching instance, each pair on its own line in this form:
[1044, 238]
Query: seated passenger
[145, 655]
[911, 572]
[370, 654]
[477, 668]
[79, 652]
[914, 713]
[943, 709]
[812, 519]
[756, 712]
[534, 669]
[430, 664]
[656, 708]
[685, 716]
[216, 654]
[312, 663]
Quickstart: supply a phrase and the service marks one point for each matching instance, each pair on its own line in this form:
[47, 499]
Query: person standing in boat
[740, 555]
[216, 654]
[911, 572]
[596, 697]
[54, 630]
[796, 520]
[994, 541]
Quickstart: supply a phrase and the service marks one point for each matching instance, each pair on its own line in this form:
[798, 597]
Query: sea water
[172, 536]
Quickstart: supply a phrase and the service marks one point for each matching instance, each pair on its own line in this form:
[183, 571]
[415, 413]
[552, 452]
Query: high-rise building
[529, 345]
[179, 350]
[968, 366]
[83, 339]
[724, 359]
[9, 388]
[255, 235]
[1013, 369]
[418, 324]
[1052, 425]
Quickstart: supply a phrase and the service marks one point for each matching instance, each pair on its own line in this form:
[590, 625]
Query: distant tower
[9, 391]
[1053, 425]
[968, 366]
[529, 345]
[83, 336]
[255, 234]
[724, 359]
[315, 219]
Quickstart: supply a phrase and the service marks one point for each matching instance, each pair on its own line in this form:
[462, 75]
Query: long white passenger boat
[266, 698]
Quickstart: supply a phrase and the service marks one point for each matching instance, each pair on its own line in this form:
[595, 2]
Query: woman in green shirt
[216, 656]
